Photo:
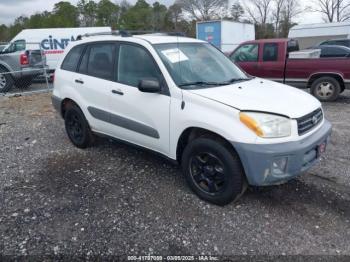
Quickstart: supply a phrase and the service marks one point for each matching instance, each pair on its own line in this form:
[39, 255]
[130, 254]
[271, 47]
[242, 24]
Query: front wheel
[213, 171]
[326, 89]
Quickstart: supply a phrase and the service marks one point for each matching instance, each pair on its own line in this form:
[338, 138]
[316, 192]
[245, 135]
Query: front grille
[308, 122]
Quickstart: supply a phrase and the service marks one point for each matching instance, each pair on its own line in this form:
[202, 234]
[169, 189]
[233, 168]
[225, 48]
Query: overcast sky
[10, 9]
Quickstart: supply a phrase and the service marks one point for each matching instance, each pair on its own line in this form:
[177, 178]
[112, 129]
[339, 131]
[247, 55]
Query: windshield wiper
[235, 80]
[200, 83]
[204, 83]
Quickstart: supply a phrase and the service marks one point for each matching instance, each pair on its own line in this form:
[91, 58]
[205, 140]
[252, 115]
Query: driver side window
[246, 53]
[135, 64]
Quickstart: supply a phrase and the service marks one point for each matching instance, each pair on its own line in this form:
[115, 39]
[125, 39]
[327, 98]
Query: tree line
[272, 18]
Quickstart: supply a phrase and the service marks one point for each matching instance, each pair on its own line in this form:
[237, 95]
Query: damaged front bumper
[271, 164]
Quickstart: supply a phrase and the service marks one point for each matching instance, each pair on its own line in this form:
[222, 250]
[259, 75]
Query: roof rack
[128, 33]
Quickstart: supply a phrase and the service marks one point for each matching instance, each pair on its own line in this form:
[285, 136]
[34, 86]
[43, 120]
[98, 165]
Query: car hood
[263, 95]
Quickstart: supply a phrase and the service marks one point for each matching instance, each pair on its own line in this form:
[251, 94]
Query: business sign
[52, 45]
[210, 32]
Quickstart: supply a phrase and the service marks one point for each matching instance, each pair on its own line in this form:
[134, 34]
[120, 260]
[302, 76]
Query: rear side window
[135, 64]
[292, 46]
[334, 51]
[270, 52]
[101, 60]
[337, 42]
[343, 43]
[71, 61]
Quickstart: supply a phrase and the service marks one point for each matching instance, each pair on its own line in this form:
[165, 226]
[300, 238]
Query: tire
[220, 179]
[6, 81]
[77, 127]
[24, 82]
[326, 89]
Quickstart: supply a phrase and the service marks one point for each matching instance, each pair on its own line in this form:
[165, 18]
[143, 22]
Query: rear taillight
[24, 59]
[53, 77]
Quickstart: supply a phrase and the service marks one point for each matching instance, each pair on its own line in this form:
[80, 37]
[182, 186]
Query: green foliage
[64, 14]
[141, 16]
[107, 13]
[138, 17]
[237, 11]
[263, 31]
[88, 12]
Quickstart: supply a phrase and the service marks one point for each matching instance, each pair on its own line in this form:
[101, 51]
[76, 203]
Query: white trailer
[312, 34]
[225, 35]
[52, 41]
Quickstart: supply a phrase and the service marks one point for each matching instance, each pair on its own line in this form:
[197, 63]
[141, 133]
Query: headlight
[266, 125]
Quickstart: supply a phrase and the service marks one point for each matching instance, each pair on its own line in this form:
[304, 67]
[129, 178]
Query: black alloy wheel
[207, 172]
[213, 170]
[77, 127]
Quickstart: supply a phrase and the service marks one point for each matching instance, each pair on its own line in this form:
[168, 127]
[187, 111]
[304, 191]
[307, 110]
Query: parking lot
[115, 199]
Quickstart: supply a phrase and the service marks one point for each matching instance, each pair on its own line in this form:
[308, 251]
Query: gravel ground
[113, 199]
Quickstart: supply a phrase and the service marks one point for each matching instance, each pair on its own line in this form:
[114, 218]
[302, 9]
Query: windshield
[18, 45]
[198, 65]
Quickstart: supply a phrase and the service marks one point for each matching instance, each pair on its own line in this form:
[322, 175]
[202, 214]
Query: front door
[247, 58]
[141, 118]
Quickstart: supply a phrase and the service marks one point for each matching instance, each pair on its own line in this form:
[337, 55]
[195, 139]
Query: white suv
[184, 99]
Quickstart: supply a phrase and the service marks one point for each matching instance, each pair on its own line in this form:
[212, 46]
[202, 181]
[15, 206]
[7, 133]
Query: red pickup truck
[269, 58]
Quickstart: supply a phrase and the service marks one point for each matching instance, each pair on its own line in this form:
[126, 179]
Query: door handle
[79, 81]
[118, 92]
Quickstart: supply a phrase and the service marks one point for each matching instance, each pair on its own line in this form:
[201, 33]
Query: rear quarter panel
[304, 69]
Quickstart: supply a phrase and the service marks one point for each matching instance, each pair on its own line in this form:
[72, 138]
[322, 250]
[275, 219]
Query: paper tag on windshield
[175, 55]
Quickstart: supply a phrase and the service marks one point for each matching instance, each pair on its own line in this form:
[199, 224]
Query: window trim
[163, 82]
[234, 52]
[86, 49]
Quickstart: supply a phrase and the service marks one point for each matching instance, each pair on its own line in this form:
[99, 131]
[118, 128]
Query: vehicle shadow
[298, 194]
[78, 181]
[294, 194]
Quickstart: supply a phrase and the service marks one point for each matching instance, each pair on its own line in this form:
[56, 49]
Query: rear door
[141, 118]
[247, 57]
[94, 82]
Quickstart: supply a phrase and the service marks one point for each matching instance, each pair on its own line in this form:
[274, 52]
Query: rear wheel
[213, 171]
[6, 81]
[326, 89]
[77, 128]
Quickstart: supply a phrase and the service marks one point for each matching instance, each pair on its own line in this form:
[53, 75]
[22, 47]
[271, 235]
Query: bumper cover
[30, 71]
[57, 103]
[257, 159]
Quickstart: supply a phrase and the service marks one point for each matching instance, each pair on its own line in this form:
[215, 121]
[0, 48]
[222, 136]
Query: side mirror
[149, 86]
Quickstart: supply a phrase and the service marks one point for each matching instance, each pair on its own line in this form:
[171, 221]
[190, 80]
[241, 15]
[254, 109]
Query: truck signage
[55, 46]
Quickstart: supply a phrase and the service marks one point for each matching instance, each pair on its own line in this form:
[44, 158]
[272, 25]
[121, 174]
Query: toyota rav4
[184, 99]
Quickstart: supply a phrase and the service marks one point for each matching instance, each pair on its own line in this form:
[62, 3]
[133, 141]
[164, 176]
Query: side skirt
[170, 160]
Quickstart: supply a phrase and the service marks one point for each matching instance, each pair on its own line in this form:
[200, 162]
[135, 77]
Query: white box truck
[225, 35]
[52, 41]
